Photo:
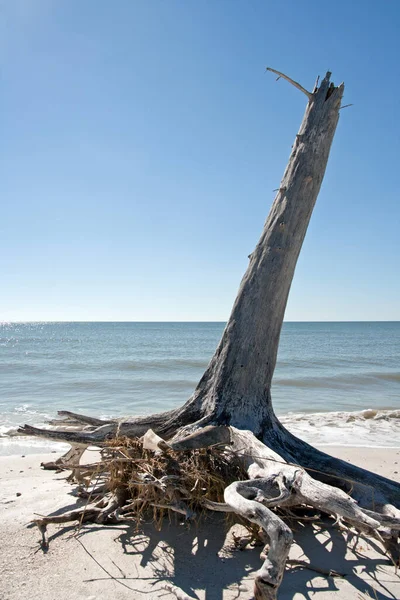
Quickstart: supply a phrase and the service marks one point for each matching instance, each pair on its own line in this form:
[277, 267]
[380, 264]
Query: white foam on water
[12, 444]
[16, 446]
[367, 428]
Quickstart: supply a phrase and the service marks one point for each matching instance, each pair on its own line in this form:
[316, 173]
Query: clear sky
[142, 141]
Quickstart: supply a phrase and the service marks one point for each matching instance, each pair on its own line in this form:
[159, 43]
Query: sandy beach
[117, 562]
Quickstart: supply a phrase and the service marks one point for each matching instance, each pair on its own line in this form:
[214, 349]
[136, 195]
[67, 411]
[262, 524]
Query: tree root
[216, 468]
[370, 489]
[305, 565]
[69, 460]
[83, 430]
[280, 536]
[178, 593]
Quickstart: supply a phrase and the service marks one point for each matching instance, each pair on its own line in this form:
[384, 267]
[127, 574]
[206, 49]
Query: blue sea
[335, 383]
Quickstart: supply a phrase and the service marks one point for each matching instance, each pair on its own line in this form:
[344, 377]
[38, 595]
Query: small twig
[346, 106]
[316, 85]
[217, 506]
[179, 508]
[103, 464]
[116, 579]
[180, 594]
[88, 501]
[45, 539]
[296, 85]
[306, 565]
[290, 513]
[119, 569]
[195, 485]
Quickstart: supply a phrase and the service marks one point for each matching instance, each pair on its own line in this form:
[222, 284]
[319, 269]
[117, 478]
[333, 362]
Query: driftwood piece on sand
[230, 411]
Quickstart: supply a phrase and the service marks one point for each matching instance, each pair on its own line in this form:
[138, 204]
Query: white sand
[116, 563]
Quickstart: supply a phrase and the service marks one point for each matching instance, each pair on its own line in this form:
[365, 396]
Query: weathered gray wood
[235, 388]
[269, 578]
[232, 402]
[290, 80]
[272, 482]
[373, 488]
[71, 418]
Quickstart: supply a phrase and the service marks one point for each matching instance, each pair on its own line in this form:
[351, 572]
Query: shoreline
[370, 427]
[199, 560]
[34, 447]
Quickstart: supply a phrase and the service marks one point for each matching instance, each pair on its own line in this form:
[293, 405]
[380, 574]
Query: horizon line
[5, 322]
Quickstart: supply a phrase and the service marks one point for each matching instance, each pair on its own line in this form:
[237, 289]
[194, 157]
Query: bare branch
[296, 85]
[180, 594]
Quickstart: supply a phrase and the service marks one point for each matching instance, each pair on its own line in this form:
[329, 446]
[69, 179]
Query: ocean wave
[343, 379]
[12, 446]
[164, 363]
[112, 385]
[366, 428]
[328, 362]
[62, 365]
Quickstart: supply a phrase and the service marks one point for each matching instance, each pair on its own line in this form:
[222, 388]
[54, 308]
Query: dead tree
[232, 405]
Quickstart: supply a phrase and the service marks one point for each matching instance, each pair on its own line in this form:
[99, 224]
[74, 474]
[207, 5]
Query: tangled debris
[135, 484]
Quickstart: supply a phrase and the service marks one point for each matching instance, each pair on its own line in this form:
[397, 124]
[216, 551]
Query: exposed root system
[146, 479]
[141, 485]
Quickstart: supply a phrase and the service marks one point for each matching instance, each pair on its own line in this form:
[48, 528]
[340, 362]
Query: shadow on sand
[201, 561]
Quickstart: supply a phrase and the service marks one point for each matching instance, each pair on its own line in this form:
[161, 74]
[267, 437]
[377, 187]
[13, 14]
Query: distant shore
[116, 563]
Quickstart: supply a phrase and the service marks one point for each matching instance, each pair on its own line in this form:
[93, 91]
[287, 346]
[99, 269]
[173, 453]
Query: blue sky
[142, 141]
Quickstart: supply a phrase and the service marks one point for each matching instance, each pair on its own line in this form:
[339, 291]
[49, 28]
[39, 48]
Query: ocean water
[335, 383]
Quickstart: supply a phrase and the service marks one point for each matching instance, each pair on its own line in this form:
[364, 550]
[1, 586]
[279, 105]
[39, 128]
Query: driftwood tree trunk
[232, 402]
[235, 389]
